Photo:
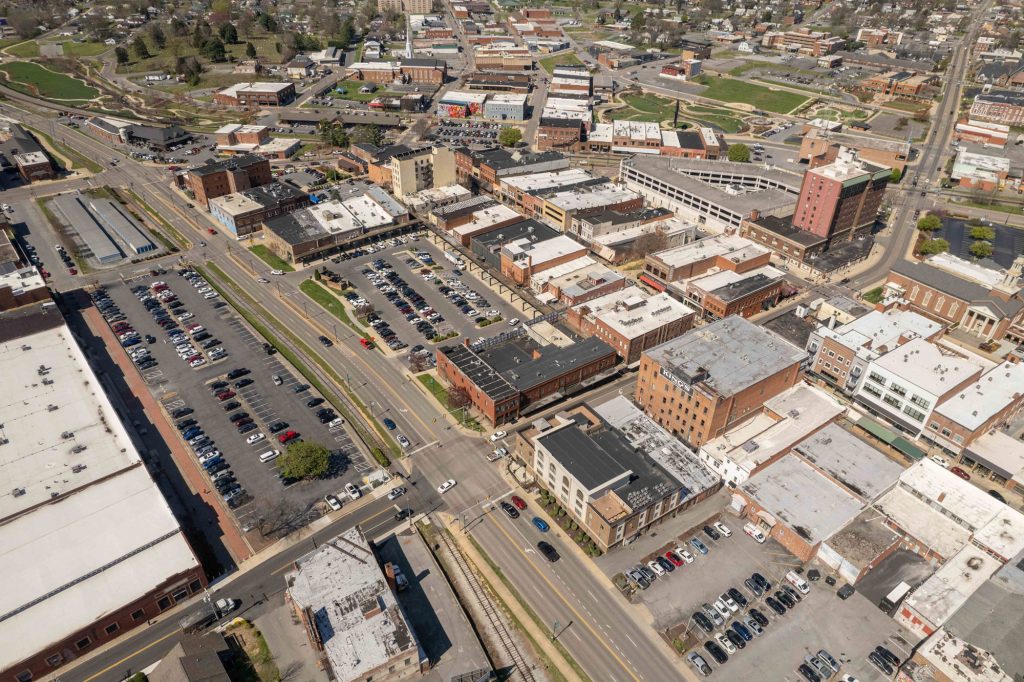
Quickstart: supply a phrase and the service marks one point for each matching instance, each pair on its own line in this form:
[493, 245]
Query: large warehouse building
[89, 548]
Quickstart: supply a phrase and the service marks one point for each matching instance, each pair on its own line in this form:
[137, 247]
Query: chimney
[535, 355]
[942, 496]
[389, 575]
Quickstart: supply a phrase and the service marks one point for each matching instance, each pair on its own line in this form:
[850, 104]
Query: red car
[518, 502]
[211, 230]
[366, 343]
[224, 395]
[671, 556]
[287, 436]
[961, 473]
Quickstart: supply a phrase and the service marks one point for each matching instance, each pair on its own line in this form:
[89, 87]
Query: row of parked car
[643, 575]
[468, 301]
[126, 334]
[222, 478]
[406, 299]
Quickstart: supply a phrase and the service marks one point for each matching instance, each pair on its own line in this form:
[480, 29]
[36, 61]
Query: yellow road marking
[132, 655]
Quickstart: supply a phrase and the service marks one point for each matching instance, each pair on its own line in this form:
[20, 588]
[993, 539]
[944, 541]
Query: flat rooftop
[802, 499]
[786, 419]
[878, 332]
[946, 491]
[544, 251]
[927, 365]
[1000, 452]
[357, 617]
[854, 463]
[591, 197]
[980, 401]
[727, 355]
[730, 246]
[730, 285]
[632, 313]
[255, 87]
[536, 182]
[85, 530]
[928, 526]
[863, 539]
[952, 585]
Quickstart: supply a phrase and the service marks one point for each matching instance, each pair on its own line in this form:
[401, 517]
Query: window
[195, 586]
[958, 438]
[139, 615]
[917, 415]
[180, 595]
[895, 402]
[947, 433]
[112, 628]
[83, 643]
[897, 389]
[921, 402]
[868, 388]
[877, 378]
[55, 660]
[934, 426]
[24, 676]
[164, 603]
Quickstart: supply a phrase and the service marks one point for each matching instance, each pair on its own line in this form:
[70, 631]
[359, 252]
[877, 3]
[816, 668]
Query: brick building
[522, 259]
[256, 95]
[699, 385]
[803, 40]
[841, 200]
[722, 252]
[819, 148]
[899, 84]
[727, 292]
[560, 134]
[243, 213]
[21, 153]
[482, 169]
[1006, 108]
[217, 178]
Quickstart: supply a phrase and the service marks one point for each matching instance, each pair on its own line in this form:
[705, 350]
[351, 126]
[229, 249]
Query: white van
[796, 581]
[754, 532]
[335, 423]
[269, 455]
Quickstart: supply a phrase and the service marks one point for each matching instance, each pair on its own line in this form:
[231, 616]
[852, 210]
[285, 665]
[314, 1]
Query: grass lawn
[1014, 209]
[270, 258]
[33, 79]
[440, 394]
[73, 49]
[874, 295]
[76, 159]
[728, 124]
[768, 66]
[568, 58]
[352, 93]
[731, 90]
[912, 107]
[28, 48]
[328, 301]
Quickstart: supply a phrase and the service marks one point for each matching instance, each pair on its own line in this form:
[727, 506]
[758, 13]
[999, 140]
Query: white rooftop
[613, 45]
[239, 128]
[879, 332]
[637, 130]
[353, 609]
[928, 366]
[508, 98]
[965, 269]
[959, 660]
[980, 401]
[946, 491]
[716, 280]
[1000, 450]
[567, 104]
[533, 182]
[1004, 534]
[486, 217]
[22, 280]
[786, 419]
[367, 212]
[631, 312]
[595, 196]
[562, 270]
[99, 534]
[732, 246]
[463, 97]
[260, 86]
[922, 522]
[544, 251]
[945, 592]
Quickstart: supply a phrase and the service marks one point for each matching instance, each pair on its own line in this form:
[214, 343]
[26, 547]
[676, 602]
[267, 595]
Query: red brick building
[256, 95]
[215, 179]
[840, 200]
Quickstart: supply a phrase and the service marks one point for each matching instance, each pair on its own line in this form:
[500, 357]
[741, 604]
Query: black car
[313, 402]
[737, 597]
[735, 639]
[754, 588]
[808, 674]
[246, 428]
[233, 405]
[548, 551]
[236, 373]
[211, 343]
[890, 658]
[784, 599]
[278, 426]
[238, 416]
[150, 338]
[182, 412]
[218, 385]
[880, 663]
[184, 424]
[220, 466]
[703, 621]
[326, 342]
[299, 388]
[202, 336]
[509, 510]
[762, 581]
[759, 617]
[775, 606]
[243, 383]
[996, 495]
[666, 564]
[403, 514]
[238, 501]
[146, 364]
[792, 592]
[712, 533]
[326, 418]
[716, 652]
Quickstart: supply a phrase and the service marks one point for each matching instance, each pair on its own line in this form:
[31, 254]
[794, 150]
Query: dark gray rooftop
[744, 287]
[784, 228]
[854, 463]
[524, 372]
[234, 163]
[961, 288]
[479, 372]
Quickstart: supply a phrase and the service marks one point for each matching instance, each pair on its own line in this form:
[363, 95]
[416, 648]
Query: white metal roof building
[84, 531]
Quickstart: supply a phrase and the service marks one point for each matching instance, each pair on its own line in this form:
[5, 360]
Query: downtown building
[217, 178]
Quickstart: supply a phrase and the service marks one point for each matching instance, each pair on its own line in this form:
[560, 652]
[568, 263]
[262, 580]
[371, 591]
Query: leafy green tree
[250, 50]
[509, 136]
[372, 134]
[303, 459]
[929, 223]
[228, 33]
[139, 47]
[739, 152]
[121, 55]
[178, 27]
[348, 31]
[983, 232]
[934, 246]
[268, 22]
[213, 49]
[981, 249]
[639, 21]
[157, 35]
[896, 175]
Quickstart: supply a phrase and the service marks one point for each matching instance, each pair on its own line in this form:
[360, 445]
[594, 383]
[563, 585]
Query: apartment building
[217, 178]
[701, 384]
[840, 200]
[900, 84]
[243, 213]
[803, 40]
[1006, 108]
[483, 169]
[711, 254]
[728, 292]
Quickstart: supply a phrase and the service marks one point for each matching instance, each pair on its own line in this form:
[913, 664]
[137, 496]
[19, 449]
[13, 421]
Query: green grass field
[568, 58]
[328, 301]
[270, 258]
[440, 394]
[732, 90]
[352, 93]
[28, 48]
[73, 49]
[644, 107]
[33, 79]
[838, 115]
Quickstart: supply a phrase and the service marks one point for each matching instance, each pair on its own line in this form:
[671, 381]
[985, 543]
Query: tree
[303, 459]
[158, 37]
[896, 175]
[739, 152]
[649, 243]
[981, 249]
[213, 50]
[639, 20]
[983, 232]
[348, 31]
[372, 134]
[139, 47]
[934, 246]
[268, 23]
[228, 33]
[121, 55]
[458, 397]
[509, 136]
[929, 223]
[250, 50]
[178, 27]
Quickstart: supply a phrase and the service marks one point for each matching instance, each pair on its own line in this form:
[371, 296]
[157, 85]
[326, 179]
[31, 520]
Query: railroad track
[508, 644]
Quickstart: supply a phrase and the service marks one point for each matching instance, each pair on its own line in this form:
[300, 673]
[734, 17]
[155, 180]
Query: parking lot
[451, 303]
[462, 131]
[847, 629]
[257, 391]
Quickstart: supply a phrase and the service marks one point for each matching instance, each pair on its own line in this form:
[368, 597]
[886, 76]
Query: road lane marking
[172, 633]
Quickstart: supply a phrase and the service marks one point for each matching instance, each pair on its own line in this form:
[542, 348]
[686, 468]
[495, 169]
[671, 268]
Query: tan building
[405, 6]
[503, 57]
[522, 258]
[819, 147]
[704, 382]
[256, 95]
[899, 84]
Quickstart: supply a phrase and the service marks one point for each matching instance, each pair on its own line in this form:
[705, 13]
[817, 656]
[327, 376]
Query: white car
[212, 294]
[209, 455]
[404, 442]
[497, 435]
[513, 322]
[396, 493]
[277, 272]
[332, 502]
[684, 555]
[197, 363]
[263, 280]
[730, 604]
[722, 609]
[658, 570]
[723, 529]
[940, 461]
[6, 207]
[352, 491]
[724, 642]
[255, 438]
[446, 486]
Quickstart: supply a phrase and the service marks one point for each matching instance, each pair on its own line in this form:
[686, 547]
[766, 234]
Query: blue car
[129, 342]
[699, 546]
[742, 631]
[192, 433]
[541, 525]
[389, 424]
[211, 463]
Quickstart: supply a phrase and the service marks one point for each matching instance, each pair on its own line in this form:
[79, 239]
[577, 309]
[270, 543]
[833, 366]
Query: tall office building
[841, 199]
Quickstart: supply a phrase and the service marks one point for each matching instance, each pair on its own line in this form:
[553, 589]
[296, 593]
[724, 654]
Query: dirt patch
[252, 661]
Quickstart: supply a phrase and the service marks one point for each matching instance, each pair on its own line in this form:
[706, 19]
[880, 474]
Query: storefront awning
[907, 448]
[880, 432]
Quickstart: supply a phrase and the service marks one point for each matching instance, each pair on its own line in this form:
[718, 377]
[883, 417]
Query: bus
[891, 601]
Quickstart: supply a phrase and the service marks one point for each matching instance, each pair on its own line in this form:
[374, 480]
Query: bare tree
[458, 397]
